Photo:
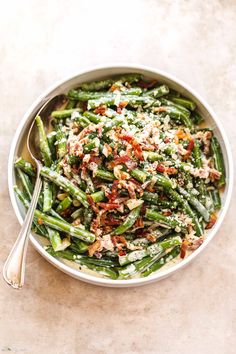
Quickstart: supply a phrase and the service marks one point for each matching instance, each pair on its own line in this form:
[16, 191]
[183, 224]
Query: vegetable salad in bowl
[131, 177]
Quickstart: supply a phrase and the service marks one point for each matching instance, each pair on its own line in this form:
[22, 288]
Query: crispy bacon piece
[147, 84]
[143, 210]
[139, 223]
[122, 105]
[121, 253]
[171, 171]
[111, 221]
[95, 224]
[108, 206]
[214, 174]
[40, 221]
[96, 159]
[94, 247]
[183, 249]
[114, 87]
[114, 191]
[160, 168]
[189, 149]
[93, 204]
[118, 239]
[167, 213]
[211, 222]
[101, 110]
[160, 109]
[196, 243]
[167, 140]
[151, 238]
[136, 146]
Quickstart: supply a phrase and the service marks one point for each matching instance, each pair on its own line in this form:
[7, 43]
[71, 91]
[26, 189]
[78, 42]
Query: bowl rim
[157, 275]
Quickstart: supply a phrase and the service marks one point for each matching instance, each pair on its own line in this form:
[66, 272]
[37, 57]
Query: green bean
[84, 96]
[98, 196]
[156, 248]
[152, 156]
[71, 104]
[139, 175]
[112, 100]
[63, 226]
[184, 204]
[40, 229]
[64, 183]
[153, 198]
[25, 166]
[57, 243]
[65, 113]
[61, 143]
[218, 159]
[215, 195]
[106, 175]
[184, 102]
[103, 84]
[26, 183]
[51, 142]
[129, 221]
[195, 203]
[197, 118]
[170, 221]
[43, 143]
[158, 91]
[64, 204]
[161, 262]
[47, 196]
[94, 118]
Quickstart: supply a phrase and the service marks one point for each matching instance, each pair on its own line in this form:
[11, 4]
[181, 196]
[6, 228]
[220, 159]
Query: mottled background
[193, 311]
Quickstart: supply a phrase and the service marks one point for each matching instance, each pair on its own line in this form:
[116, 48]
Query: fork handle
[14, 267]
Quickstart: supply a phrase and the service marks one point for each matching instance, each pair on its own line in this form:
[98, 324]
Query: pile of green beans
[131, 177]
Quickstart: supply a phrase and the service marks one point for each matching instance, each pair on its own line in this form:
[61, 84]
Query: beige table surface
[193, 311]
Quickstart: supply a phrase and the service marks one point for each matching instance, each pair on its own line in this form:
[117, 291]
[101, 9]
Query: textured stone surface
[193, 311]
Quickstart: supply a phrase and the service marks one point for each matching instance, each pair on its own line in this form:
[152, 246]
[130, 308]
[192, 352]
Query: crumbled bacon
[108, 206]
[94, 247]
[211, 222]
[189, 149]
[183, 249]
[147, 84]
[196, 243]
[114, 191]
[111, 221]
[160, 168]
[40, 221]
[214, 174]
[101, 110]
[167, 213]
[171, 171]
[139, 223]
[93, 204]
[94, 225]
[122, 105]
[122, 252]
[151, 238]
[143, 210]
[114, 87]
[136, 146]
[118, 239]
[160, 109]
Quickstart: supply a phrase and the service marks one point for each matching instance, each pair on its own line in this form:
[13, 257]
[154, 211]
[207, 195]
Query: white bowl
[18, 145]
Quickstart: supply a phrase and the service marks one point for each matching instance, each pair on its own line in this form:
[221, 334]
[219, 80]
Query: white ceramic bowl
[18, 145]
